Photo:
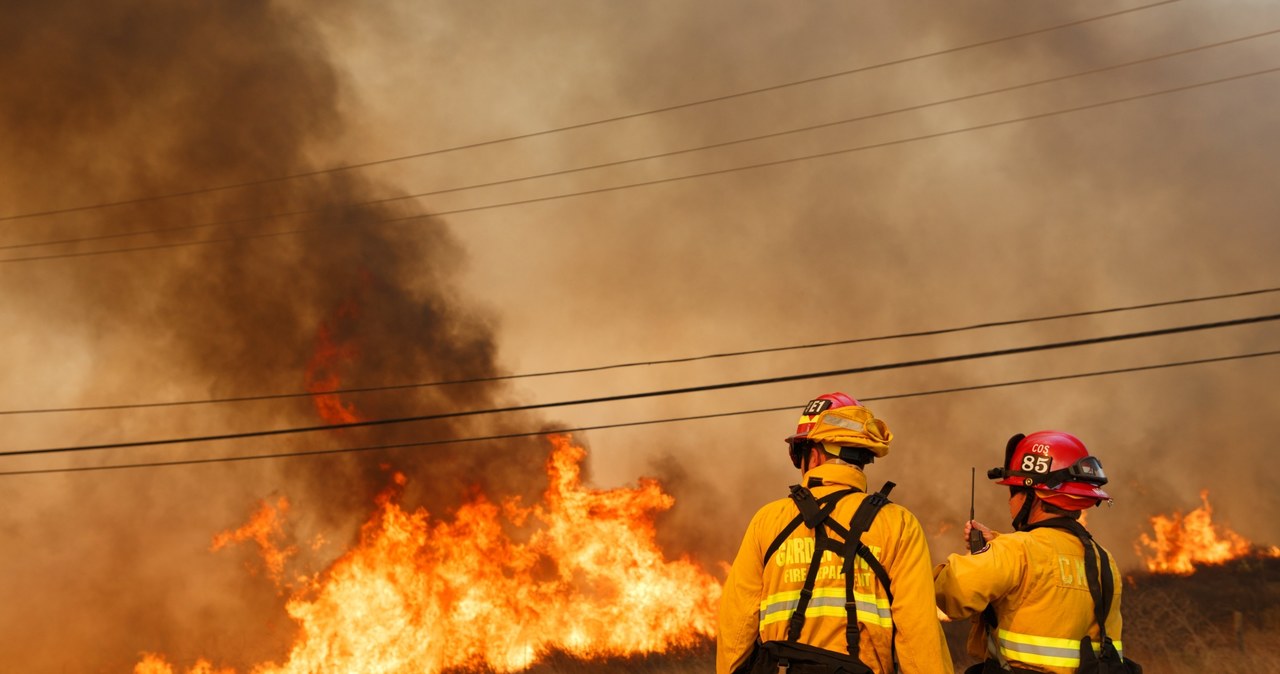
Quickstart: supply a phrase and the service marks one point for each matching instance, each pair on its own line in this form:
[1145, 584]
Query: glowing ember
[1181, 542]
[421, 595]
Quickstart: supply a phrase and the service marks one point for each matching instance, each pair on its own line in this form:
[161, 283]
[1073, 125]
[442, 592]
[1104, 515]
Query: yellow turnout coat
[759, 599]
[1035, 580]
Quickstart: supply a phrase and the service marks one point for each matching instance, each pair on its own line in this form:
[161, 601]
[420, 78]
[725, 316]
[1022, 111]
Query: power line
[183, 244]
[189, 227]
[671, 179]
[650, 157]
[663, 392]
[650, 422]
[666, 361]
[825, 125]
[848, 150]
[581, 125]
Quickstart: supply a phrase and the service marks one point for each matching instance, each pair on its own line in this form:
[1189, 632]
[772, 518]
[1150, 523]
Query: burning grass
[424, 594]
[1180, 543]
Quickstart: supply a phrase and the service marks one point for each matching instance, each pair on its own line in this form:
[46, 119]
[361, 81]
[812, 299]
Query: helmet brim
[1072, 488]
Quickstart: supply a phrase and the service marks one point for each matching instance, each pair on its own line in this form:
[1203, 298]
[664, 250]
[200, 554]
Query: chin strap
[1024, 513]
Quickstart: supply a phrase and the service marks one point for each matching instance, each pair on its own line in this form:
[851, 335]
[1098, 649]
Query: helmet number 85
[1035, 464]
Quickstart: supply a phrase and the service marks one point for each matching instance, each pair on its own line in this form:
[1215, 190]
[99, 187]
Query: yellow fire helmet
[851, 427]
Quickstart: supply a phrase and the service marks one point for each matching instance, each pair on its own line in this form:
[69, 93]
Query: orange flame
[155, 664]
[322, 370]
[262, 528]
[1182, 542]
[422, 595]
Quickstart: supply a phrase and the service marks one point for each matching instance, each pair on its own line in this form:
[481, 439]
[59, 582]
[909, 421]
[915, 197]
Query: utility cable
[650, 422]
[663, 392]
[670, 179]
[581, 125]
[665, 361]
[649, 157]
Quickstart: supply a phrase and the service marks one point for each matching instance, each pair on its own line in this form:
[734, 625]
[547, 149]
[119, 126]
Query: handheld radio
[976, 541]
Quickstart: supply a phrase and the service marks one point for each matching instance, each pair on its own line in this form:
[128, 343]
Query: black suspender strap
[1095, 560]
[858, 525]
[850, 604]
[796, 623]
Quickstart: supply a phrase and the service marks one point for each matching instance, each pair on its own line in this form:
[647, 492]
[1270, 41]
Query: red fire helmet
[1057, 466]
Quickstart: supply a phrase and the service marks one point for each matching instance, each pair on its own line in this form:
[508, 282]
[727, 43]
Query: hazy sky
[941, 205]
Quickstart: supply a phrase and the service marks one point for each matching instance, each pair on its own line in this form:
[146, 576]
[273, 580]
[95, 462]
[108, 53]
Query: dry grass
[1179, 625]
[698, 659]
[1173, 625]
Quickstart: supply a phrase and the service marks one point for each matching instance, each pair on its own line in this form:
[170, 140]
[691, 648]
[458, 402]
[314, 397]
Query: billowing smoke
[128, 100]
[1152, 199]
[1155, 199]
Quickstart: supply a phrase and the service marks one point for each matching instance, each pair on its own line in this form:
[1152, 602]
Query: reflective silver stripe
[878, 614]
[787, 606]
[1031, 649]
[826, 603]
[1052, 651]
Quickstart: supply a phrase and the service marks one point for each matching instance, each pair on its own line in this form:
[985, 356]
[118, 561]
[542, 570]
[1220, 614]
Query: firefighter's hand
[987, 534]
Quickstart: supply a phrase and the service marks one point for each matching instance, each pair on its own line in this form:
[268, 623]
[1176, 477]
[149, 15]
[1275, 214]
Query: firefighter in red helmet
[832, 578]
[1045, 598]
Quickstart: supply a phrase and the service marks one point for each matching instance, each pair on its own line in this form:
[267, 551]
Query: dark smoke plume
[128, 99]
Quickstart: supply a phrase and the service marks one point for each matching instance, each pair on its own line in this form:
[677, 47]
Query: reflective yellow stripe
[1054, 642]
[827, 603]
[1038, 650]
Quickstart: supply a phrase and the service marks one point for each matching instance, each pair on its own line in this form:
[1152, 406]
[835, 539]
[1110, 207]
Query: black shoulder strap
[814, 513]
[826, 503]
[858, 525]
[810, 510]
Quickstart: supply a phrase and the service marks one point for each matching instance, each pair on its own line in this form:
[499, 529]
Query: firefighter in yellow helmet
[832, 579]
[1039, 595]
